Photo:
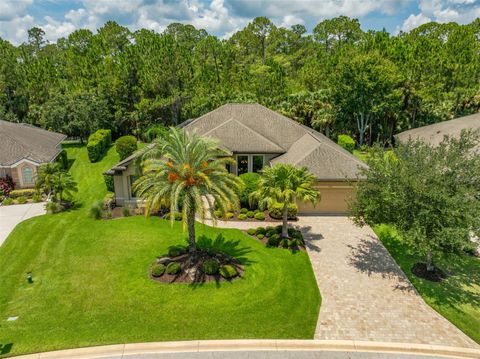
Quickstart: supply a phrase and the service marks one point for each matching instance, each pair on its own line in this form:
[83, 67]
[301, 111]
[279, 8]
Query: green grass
[91, 285]
[457, 298]
[361, 155]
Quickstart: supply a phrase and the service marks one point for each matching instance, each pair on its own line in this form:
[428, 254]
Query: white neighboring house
[23, 148]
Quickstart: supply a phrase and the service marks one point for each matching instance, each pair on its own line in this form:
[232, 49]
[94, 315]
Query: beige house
[23, 148]
[257, 137]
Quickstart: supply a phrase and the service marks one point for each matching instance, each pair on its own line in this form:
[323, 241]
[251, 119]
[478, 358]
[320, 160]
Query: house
[434, 134]
[23, 148]
[257, 137]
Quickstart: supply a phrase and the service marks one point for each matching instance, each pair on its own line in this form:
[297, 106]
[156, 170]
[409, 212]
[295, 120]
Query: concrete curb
[124, 350]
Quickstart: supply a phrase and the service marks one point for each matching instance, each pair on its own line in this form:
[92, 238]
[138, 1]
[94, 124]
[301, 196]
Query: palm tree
[284, 183]
[188, 172]
[46, 175]
[63, 183]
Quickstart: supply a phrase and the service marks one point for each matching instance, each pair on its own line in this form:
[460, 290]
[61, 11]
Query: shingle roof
[21, 141]
[434, 134]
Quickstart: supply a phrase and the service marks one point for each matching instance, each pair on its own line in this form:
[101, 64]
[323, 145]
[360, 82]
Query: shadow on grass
[5, 348]
[229, 247]
[73, 144]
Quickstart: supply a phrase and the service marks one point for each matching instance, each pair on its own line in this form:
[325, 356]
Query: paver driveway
[10, 216]
[365, 295]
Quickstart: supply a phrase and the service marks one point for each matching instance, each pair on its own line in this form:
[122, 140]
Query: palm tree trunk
[192, 246]
[285, 221]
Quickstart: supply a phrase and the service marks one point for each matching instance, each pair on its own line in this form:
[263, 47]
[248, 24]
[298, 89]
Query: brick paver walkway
[365, 295]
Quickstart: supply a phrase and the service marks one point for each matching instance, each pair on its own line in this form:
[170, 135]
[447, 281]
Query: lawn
[91, 285]
[457, 298]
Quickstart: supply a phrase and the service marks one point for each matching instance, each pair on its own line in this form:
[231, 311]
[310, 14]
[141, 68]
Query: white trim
[23, 160]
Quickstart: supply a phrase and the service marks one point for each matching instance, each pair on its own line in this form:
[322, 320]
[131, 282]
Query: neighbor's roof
[252, 128]
[434, 134]
[22, 141]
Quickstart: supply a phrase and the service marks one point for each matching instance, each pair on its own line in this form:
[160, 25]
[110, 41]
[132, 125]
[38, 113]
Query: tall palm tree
[284, 183]
[188, 172]
[46, 176]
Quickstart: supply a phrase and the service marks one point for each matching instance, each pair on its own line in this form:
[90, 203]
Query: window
[132, 179]
[257, 163]
[27, 175]
[242, 164]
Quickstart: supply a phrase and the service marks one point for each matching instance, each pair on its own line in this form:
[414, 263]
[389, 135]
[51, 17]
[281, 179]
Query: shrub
[125, 146]
[62, 160]
[260, 216]
[252, 231]
[210, 267]
[278, 229]
[228, 271]
[260, 236]
[218, 213]
[96, 210]
[229, 215]
[176, 251]
[244, 210]
[109, 201]
[109, 183]
[285, 243]
[7, 201]
[36, 198]
[174, 268]
[346, 142]
[268, 228]
[53, 207]
[250, 184]
[98, 144]
[22, 200]
[6, 185]
[177, 216]
[270, 233]
[28, 193]
[260, 230]
[273, 241]
[242, 216]
[250, 214]
[154, 132]
[126, 211]
[295, 233]
[276, 211]
[158, 270]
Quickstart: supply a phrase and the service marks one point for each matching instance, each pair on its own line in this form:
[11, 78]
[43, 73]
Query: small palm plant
[63, 183]
[188, 172]
[46, 177]
[284, 183]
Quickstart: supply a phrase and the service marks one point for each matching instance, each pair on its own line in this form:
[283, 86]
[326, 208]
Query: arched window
[27, 175]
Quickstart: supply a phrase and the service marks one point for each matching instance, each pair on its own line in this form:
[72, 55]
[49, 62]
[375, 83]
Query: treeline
[339, 79]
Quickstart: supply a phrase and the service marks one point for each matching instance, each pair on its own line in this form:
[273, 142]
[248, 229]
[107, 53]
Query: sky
[58, 18]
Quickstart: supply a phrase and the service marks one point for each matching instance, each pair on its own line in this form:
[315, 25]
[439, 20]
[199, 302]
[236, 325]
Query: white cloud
[290, 20]
[11, 9]
[414, 21]
[56, 29]
[16, 30]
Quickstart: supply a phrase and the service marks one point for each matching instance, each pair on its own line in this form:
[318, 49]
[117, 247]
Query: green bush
[177, 216]
[229, 215]
[36, 198]
[174, 268]
[125, 146]
[62, 160]
[276, 211]
[260, 236]
[242, 216]
[109, 201]
[176, 251]
[273, 241]
[279, 229]
[154, 132]
[7, 201]
[250, 214]
[346, 142]
[22, 200]
[260, 230]
[98, 144]
[109, 183]
[260, 216]
[218, 213]
[252, 231]
[126, 211]
[270, 233]
[228, 271]
[28, 193]
[295, 233]
[53, 207]
[158, 270]
[210, 267]
[244, 210]
[285, 243]
[96, 210]
[250, 184]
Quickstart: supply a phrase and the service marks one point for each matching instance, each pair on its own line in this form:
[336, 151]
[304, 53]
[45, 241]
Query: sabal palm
[63, 183]
[46, 175]
[284, 183]
[188, 172]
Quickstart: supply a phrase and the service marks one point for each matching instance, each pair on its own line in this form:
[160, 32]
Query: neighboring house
[23, 148]
[434, 134]
[258, 137]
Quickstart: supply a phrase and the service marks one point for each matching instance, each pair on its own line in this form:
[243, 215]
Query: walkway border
[124, 350]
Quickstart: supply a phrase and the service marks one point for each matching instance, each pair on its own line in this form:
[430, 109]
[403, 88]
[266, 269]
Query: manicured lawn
[361, 155]
[91, 286]
[457, 298]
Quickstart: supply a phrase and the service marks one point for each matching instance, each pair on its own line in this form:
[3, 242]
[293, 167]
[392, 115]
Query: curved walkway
[12, 215]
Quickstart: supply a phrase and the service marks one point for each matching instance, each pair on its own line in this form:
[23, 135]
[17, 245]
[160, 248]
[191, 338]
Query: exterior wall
[123, 187]
[4, 171]
[16, 173]
[334, 197]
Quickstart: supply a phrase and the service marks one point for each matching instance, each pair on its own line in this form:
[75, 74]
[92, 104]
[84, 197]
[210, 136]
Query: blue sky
[222, 17]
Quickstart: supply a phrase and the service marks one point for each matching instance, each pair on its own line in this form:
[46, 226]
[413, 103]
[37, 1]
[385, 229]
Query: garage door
[334, 199]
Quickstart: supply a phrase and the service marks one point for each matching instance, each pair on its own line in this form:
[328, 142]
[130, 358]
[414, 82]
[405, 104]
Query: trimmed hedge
[29, 193]
[98, 144]
[276, 211]
[346, 142]
[242, 216]
[174, 268]
[210, 267]
[125, 146]
[260, 216]
[252, 231]
[158, 270]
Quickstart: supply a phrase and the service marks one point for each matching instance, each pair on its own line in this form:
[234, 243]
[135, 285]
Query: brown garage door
[334, 199]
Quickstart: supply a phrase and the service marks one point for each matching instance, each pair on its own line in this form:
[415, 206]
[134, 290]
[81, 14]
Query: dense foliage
[98, 143]
[339, 79]
[125, 146]
[436, 211]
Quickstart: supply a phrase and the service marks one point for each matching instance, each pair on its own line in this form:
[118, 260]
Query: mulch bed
[196, 275]
[420, 270]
